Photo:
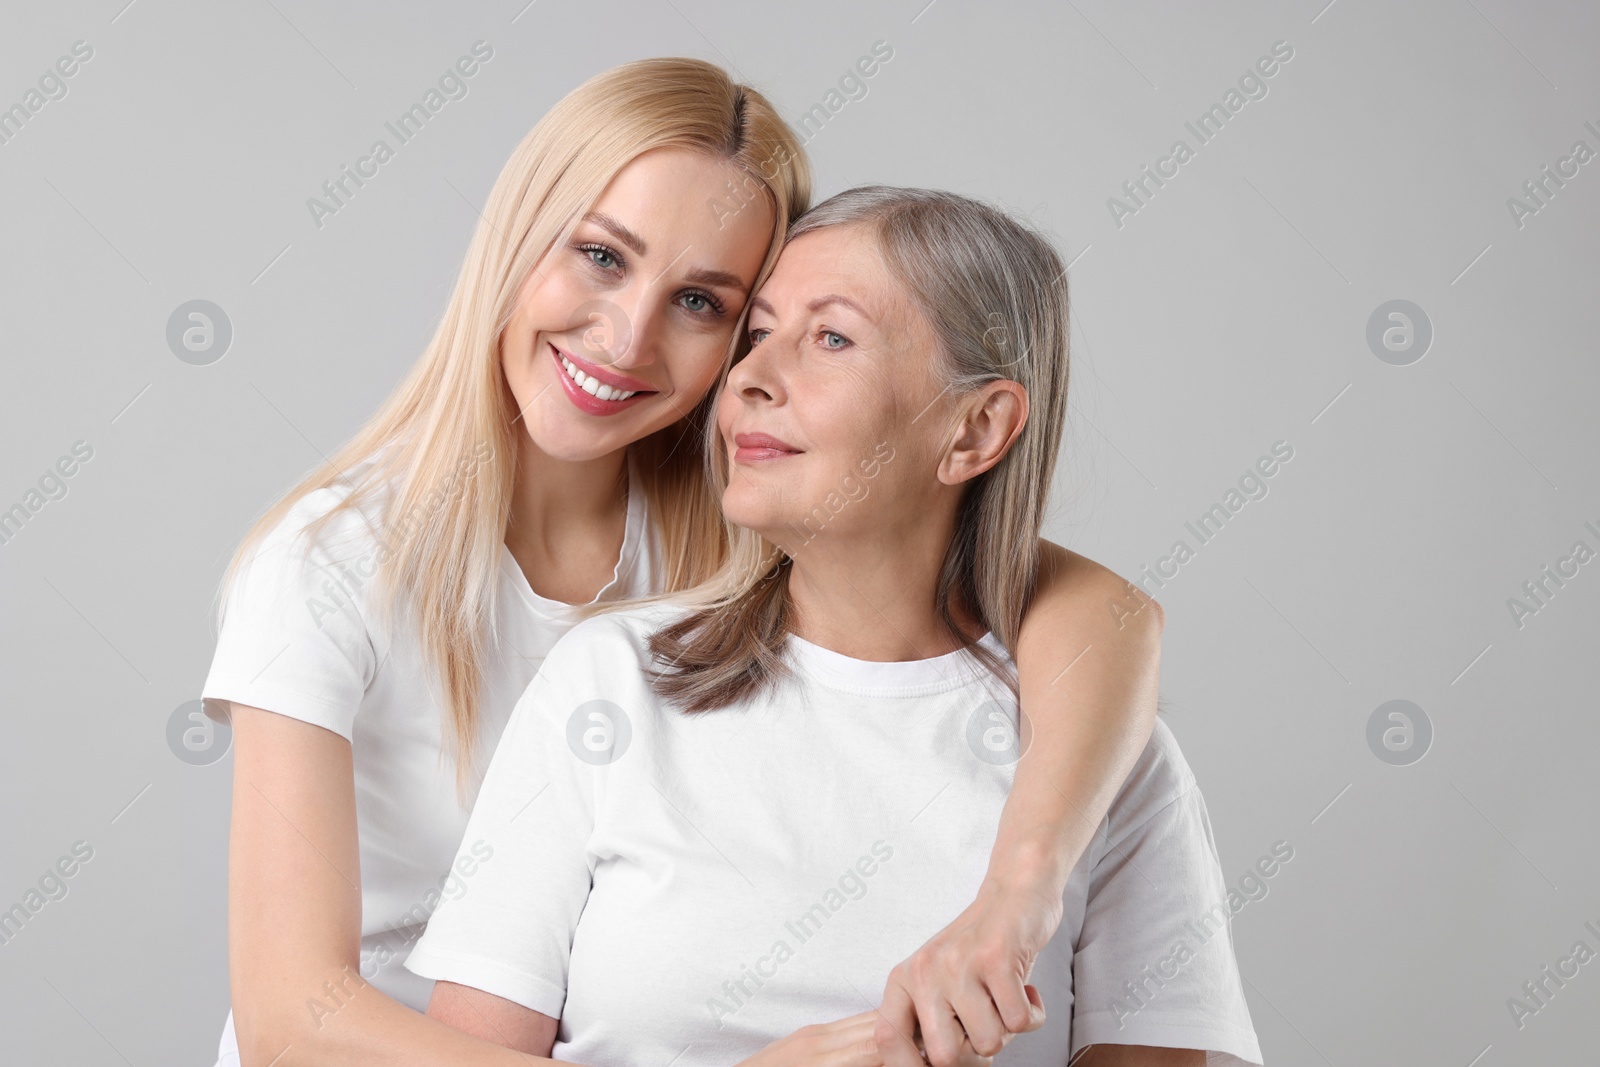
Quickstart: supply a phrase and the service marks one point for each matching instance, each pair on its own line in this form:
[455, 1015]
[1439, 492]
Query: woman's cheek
[713, 365]
[559, 294]
[558, 300]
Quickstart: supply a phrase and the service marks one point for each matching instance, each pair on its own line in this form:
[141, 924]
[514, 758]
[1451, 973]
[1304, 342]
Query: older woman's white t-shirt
[687, 889]
[297, 638]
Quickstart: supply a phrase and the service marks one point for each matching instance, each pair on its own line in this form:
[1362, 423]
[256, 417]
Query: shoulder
[1076, 590]
[598, 672]
[612, 642]
[330, 528]
[322, 521]
[1160, 778]
[318, 557]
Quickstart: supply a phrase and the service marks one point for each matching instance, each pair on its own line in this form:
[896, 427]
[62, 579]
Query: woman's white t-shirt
[687, 889]
[297, 639]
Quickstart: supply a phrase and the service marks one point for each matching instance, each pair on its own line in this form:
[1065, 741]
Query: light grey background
[1228, 313]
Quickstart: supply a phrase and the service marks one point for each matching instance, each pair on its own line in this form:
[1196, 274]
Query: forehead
[679, 201]
[839, 259]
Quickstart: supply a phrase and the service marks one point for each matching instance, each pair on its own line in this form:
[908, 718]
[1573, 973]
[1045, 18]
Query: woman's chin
[571, 440]
[748, 516]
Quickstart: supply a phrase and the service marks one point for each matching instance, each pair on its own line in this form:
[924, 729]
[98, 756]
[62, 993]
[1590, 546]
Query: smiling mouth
[592, 385]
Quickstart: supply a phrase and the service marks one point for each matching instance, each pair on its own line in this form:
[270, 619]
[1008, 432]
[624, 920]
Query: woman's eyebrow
[760, 304]
[719, 278]
[834, 298]
[617, 230]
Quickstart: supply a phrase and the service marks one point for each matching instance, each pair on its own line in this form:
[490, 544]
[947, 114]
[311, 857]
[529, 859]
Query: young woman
[803, 769]
[547, 451]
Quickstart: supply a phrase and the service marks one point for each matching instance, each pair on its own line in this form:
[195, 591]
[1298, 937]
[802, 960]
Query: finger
[895, 1027]
[1011, 1002]
[1036, 1011]
[976, 1012]
[851, 1043]
[942, 1034]
[970, 1057]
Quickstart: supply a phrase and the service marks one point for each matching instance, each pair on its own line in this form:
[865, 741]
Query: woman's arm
[493, 1018]
[1088, 661]
[846, 1043]
[294, 915]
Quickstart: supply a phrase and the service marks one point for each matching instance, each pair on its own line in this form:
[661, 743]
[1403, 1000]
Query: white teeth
[593, 386]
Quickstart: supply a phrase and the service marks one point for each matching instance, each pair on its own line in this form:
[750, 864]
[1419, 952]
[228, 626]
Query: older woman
[728, 812]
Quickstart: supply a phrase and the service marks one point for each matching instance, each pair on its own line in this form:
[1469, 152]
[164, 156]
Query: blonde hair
[444, 442]
[995, 294]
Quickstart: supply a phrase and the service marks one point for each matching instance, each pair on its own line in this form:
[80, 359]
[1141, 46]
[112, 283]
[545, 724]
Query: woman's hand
[966, 985]
[846, 1043]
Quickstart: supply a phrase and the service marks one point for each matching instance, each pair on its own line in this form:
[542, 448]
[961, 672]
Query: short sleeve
[1155, 963]
[294, 638]
[510, 931]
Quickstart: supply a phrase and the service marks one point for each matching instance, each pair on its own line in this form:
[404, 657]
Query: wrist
[1030, 867]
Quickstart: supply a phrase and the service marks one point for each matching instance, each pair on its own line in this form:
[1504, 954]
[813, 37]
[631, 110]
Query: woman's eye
[757, 336]
[701, 303]
[601, 256]
[829, 337]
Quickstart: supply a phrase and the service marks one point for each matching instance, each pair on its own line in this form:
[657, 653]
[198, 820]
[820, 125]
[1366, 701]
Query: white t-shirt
[297, 639]
[688, 888]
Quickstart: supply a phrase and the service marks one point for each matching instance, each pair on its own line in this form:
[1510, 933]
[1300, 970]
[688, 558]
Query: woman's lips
[756, 447]
[609, 375]
[586, 401]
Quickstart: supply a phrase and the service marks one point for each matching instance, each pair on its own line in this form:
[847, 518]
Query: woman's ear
[985, 430]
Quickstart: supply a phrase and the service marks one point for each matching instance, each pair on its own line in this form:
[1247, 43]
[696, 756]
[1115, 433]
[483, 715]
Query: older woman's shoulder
[1160, 778]
[615, 641]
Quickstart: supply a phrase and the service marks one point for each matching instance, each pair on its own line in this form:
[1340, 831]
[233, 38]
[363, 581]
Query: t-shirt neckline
[632, 536]
[881, 678]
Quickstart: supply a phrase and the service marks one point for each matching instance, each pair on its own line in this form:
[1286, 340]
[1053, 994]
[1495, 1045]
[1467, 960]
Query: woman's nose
[605, 330]
[622, 332]
[757, 375]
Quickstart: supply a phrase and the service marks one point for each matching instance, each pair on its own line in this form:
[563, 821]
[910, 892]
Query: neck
[871, 595]
[555, 501]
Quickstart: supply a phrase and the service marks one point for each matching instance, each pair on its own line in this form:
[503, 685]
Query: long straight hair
[440, 453]
[995, 294]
